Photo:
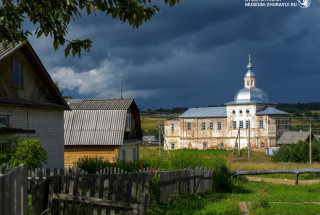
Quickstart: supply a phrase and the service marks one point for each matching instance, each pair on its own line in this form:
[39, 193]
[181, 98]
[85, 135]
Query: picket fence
[13, 190]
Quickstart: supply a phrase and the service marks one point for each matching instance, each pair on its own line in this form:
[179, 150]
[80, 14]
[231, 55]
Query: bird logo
[304, 3]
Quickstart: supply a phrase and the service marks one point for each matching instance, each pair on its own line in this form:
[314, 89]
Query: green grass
[262, 196]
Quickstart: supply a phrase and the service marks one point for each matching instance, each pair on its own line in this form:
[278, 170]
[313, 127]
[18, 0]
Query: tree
[62, 92]
[27, 151]
[52, 18]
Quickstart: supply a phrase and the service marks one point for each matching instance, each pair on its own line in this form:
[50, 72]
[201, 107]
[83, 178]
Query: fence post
[143, 204]
[297, 176]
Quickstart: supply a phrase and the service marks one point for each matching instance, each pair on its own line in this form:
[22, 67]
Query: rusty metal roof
[94, 127]
[206, 112]
[293, 137]
[271, 111]
[99, 104]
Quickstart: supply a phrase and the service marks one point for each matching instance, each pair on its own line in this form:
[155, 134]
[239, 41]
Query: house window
[248, 83]
[234, 124]
[17, 73]
[172, 145]
[262, 145]
[3, 121]
[261, 123]
[134, 153]
[123, 155]
[128, 122]
[203, 126]
[211, 125]
[248, 123]
[189, 125]
[241, 124]
[205, 146]
[219, 125]
[221, 146]
[172, 127]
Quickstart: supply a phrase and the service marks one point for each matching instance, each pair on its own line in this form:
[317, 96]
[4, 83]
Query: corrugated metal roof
[271, 111]
[293, 137]
[205, 112]
[99, 104]
[4, 52]
[94, 127]
[30, 102]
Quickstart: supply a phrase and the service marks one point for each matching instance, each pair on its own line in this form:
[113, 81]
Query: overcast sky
[194, 54]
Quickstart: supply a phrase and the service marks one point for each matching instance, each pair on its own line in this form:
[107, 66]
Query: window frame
[6, 121]
[234, 124]
[134, 153]
[221, 146]
[261, 124]
[205, 146]
[172, 146]
[124, 154]
[247, 123]
[128, 125]
[241, 123]
[172, 126]
[211, 125]
[203, 126]
[18, 83]
[189, 125]
[262, 145]
[219, 125]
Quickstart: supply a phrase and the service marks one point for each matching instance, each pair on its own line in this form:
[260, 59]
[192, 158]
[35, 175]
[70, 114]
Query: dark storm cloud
[194, 54]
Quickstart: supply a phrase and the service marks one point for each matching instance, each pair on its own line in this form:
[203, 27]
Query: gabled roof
[27, 49]
[100, 104]
[206, 112]
[271, 111]
[293, 137]
[97, 121]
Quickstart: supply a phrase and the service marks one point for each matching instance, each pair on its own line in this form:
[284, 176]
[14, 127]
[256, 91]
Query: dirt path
[282, 181]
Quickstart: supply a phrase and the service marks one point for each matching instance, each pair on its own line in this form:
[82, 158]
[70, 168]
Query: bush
[20, 150]
[221, 178]
[297, 153]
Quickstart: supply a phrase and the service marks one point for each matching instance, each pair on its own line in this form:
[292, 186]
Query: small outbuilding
[293, 137]
[107, 128]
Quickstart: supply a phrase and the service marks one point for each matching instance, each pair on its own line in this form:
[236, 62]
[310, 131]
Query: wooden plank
[274, 171]
[95, 201]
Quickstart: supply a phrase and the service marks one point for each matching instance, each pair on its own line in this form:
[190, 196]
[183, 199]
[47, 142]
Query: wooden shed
[293, 137]
[107, 128]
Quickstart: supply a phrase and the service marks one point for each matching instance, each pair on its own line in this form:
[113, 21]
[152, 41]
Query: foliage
[221, 178]
[297, 153]
[95, 164]
[62, 92]
[20, 150]
[155, 190]
[52, 18]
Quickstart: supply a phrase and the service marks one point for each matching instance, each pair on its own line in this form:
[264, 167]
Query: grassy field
[257, 161]
[149, 123]
[264, 198]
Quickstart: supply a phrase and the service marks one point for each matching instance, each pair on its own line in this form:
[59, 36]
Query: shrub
[221, 178]
[20, 150]
[297, 153]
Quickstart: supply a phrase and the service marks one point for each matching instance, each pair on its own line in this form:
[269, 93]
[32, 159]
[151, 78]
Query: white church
[251, 117]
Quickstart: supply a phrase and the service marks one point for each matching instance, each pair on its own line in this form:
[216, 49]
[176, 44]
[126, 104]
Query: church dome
[251, 95]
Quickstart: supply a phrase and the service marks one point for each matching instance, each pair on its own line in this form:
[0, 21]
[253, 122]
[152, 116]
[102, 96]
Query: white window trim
[203, 126]
[211, 125]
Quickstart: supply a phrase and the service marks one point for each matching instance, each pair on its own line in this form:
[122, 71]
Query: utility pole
[310, 150]
[159, 138]
[249, 140]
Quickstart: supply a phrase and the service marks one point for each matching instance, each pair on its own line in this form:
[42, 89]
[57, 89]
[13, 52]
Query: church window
[172, 127]
[262, 145]
[248, 83]
[172, 145]
[189, 125]
[205, 146]
[234, 124]
[241, 124]
[203, 126]
[221, 146]
[211, 125]
[233, 112]
[219, 125]
[17, 73]
[261, 123]
[248, 123]
[248, 111]
[240, 111]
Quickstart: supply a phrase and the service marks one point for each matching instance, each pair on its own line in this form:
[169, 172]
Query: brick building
[249, 117]
[31, 106]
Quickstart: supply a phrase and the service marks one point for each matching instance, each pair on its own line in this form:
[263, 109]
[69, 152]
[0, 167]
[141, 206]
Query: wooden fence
[13, 190]
[184, 182]
[239, 172]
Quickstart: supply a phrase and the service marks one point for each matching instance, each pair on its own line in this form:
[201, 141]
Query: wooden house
[31, 106]
[107, 128]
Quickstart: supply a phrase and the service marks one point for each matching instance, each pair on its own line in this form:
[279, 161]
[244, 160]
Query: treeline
[299, 109]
